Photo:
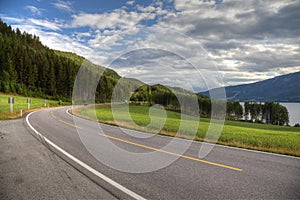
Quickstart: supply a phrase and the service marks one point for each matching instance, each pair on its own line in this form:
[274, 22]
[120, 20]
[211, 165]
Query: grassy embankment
[21, 102]
[263, 137]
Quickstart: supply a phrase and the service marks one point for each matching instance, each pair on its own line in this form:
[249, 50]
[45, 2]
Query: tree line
[172, 99]
[176, 99]
[268, 112]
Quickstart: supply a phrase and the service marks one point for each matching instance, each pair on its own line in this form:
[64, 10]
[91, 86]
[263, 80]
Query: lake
[293, 109]
[294, 112]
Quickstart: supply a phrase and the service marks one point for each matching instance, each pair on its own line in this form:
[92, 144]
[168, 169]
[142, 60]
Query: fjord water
[293, 109]
[294, 112]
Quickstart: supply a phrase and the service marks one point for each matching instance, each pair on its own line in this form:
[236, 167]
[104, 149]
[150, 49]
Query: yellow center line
[155, 149]
[171, 153]
[52, 115]
[62, 121]
[67, 123]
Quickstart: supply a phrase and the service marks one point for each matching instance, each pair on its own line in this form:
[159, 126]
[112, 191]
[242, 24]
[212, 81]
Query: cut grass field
[21, 102]
[263, 137]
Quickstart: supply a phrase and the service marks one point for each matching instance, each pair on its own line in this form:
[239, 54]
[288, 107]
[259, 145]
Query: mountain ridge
[284, 88]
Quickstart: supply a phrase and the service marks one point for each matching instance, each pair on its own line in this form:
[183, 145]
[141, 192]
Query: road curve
[226, 173]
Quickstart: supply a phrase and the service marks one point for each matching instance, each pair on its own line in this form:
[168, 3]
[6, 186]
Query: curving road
[226, 173]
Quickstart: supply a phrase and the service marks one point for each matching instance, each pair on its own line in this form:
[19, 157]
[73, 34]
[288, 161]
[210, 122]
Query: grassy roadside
[21, 102]
[270, 138]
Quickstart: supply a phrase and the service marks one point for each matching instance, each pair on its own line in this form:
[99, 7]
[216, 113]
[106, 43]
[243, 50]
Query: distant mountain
[285, 88]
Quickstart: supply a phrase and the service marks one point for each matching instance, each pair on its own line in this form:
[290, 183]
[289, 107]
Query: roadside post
[21, 113]
[11, 101]
[45, 103]
[28, 103]
[160, 127]
[60, 102]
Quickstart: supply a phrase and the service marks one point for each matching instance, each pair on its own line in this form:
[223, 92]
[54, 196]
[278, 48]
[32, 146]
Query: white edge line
[87, 167]
[194, 141]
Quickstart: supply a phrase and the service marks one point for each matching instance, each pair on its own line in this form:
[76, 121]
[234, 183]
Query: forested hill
[27, 67]
[285, 88]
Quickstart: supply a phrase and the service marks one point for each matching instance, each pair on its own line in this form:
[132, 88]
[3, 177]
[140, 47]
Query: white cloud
[112, 28]
[44, 23]
[147, 9]
[34, 10]
[130, 3]
[118, 19]
[12, 19]
[81, 36]
[64, 43]
[64, 6]
[105, 42]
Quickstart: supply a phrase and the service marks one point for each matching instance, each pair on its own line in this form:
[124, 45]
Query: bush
[297, 125]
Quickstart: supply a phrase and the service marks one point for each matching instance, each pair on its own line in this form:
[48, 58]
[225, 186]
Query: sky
[194, 44]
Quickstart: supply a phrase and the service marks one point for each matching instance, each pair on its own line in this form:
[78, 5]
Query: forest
[29, 68]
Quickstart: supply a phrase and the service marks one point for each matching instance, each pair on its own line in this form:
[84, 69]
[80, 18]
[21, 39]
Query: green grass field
[271, 138]
[21, 102]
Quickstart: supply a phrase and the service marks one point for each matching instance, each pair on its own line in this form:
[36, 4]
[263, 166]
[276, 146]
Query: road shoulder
[28, 170]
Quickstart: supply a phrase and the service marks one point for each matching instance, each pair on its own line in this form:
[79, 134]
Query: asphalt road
[226, 173]
[28, 170]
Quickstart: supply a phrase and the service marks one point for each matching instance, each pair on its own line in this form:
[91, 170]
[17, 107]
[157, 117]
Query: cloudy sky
[196, 44]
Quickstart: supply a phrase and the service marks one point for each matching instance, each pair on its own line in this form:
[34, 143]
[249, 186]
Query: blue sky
[206, 43]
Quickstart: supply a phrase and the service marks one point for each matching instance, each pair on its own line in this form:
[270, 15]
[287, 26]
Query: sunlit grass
[21, 103]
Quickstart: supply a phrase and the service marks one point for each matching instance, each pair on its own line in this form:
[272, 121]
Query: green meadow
[263, 137]
[21, 103]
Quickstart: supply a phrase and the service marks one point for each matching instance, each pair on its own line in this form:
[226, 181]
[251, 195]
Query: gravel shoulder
[28, 170]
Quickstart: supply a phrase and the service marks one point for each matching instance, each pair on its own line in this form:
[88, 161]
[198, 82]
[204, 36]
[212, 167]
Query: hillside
[29, 68]
[285, 88]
